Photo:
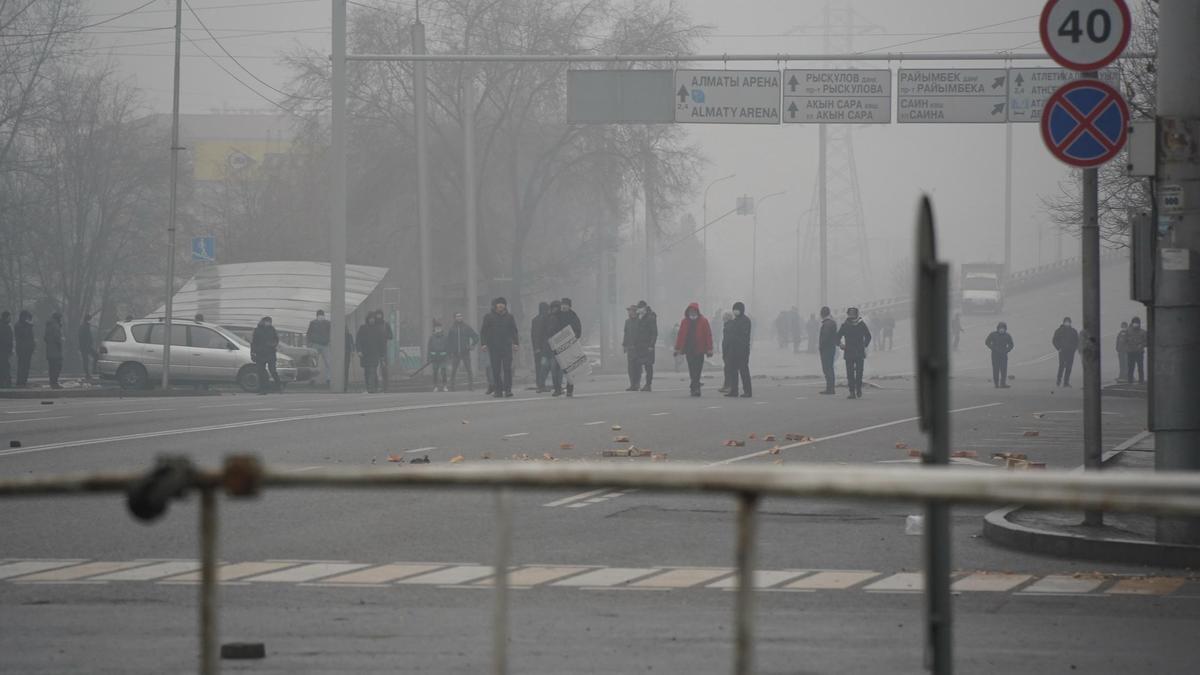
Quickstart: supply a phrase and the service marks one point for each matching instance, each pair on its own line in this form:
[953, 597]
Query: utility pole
[166, 373]
[468, 117]
[337, 206]
[424, 244]
[1008, 134]
[822, 199]
[1175, 359]
[1089, 236]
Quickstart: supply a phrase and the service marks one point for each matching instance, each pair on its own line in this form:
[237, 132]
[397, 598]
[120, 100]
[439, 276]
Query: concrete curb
[998, 529]
[101, 392]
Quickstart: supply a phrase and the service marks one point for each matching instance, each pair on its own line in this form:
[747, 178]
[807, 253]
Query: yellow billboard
[216, 160]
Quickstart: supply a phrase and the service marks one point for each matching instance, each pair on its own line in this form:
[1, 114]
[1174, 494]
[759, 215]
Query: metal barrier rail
[149, 494]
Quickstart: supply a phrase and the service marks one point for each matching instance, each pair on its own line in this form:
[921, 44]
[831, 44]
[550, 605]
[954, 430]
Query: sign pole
[166, 356]
[337, 205]
[822, 204]
[1008, 161]
[1090, 352]
[422, 133]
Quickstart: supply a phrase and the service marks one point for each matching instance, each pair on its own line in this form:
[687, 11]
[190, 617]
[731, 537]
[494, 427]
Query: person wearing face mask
[1065, 341]
[1136, 346]
[500, 339]
[263, 345]
[1001, 343]
[438, 350]
[736, 352]
[644, 341]
[694, 342]
[854, 337]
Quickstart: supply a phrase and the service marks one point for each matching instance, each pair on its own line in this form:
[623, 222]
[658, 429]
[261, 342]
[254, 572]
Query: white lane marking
[17, 569]
[575, 498]
[26, 412]
[35, 419]
[609, 576]
[659, 414]
[150, 572]
[278, 420]
[844, 434]
[308, 572]
[464, 574]
[305, 468]
[427, 449]
[713, 407]
[517, 435]
[134, 412]
[223, 405]
[592, 424]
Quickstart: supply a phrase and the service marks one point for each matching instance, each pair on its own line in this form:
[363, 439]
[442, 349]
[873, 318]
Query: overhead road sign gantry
[951, 95]
[1085, 35]
[1030, 88]
[727, 96]
[1085, 123]
[829, 96]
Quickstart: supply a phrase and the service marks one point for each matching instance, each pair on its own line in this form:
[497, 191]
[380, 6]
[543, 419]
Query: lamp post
[754, 253]
[704, 266]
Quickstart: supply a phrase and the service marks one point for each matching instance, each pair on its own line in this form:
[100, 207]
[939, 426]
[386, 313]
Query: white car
[201, 353]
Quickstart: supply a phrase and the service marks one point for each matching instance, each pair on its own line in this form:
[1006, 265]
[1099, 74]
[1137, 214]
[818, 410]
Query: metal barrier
[242, 476]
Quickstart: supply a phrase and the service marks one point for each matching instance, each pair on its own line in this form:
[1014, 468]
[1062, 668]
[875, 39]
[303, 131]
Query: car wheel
[247, 379]
[132, 376]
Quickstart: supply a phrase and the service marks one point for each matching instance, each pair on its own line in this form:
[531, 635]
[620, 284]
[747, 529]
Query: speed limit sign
[1085, 34]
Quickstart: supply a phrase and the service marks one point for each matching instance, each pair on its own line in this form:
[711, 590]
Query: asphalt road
[607, 581]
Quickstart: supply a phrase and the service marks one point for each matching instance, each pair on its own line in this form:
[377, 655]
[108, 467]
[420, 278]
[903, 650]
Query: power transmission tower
[844, 275]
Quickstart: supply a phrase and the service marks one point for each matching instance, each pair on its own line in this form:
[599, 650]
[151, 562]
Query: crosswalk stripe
[308, 572]
[150, 572]
[382, 574]
[17, 569]
[823, 581]
[532, 576]
[461, 574]
[80, 571]
[235, 571]
[681, 578]
[762, 578]
[1147, 586]
[1063, 583]
[609, 576]
[990, 582]
[904, 581]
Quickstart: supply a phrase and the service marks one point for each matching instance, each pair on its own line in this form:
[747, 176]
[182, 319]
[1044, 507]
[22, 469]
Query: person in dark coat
[87, 346]
[539, 341]
[735, 350]
[645, 341]
[1135, 341]
[349, 347]
[1001, 343]
[813, 327]
[827, 341]
[723, 321]
[52, 336]
[462, 339]
[855, 338]
[566, 318]
[1065, 341]
[694, 341]
[264, 345]
[384, 329]
[439, 351]
[628, 342]
[956, 329]
[368, 343]
[1122, 351]
[25, 344]
[318, 337]
[6, 349]
[500, 339]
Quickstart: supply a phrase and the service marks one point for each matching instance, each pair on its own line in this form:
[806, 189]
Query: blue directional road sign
[1085, 123]
[204, 249]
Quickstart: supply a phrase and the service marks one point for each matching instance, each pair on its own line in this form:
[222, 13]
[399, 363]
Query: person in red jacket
[695, 342]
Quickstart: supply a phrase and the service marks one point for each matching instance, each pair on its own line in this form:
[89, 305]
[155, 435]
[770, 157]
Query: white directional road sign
[1030, 88]
[837, 96]
[727, 96]
[948, 95]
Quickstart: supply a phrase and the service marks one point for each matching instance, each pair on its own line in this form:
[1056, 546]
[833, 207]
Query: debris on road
[770, 438]
[900, 445]
[913, 452]
[631, 451]
[774, 451]
[616, 427]
[620, 439]
[658, 457]
[801, 438]
[398, 459]
[14, 444]
[566, 446]
[965, 454]
[753, 436]
[465, 422]
[486, 455]
[731, 443]
[548, 457]
[1032, 434]
[457, 459]
[423, 460]
[1009, 455]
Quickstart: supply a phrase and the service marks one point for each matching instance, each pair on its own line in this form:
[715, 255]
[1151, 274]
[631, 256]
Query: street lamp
[754, 254]
[704, 266]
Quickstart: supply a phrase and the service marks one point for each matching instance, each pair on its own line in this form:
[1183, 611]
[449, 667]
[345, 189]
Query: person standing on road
[956, 329]
[500, 339]
[725, 320]
[264, 344]
[1001, 343]
[438, 350]
[349, 348]
[6, 349]
[25, 344]
[827, 341]
[52, 336]
[385, 335]
[1136, 345]
[694, 342]
[855, 338]
[462, 339]
[735, 349]
[87, 347]
[1065, 341]
[368, 344]
[1123, 351]
[628, 340]
[318, 338]
[539, 341]
[568, 317]
[645, 341]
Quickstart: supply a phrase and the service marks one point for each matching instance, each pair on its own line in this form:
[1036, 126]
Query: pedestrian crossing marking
[344, 574]
[382, 574]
